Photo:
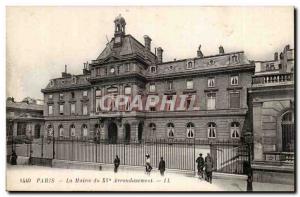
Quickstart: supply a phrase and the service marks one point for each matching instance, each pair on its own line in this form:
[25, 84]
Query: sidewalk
[58, 179]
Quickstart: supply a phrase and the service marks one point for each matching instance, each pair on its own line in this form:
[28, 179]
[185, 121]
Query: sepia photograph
[150, 98]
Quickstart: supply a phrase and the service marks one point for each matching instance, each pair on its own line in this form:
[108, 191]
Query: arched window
[288, 132]
[190, 129]
[72, 130]
[61, 130]
[84, 130]
[211, 130]
[97, 130]
[152, 127]
[170, 130]
[49, 130]
[235, 130]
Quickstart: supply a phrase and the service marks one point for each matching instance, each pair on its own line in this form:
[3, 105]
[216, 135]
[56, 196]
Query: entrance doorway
[112, 130]
[37, 129]
[288, 132]
[140, 131]
[127, 132]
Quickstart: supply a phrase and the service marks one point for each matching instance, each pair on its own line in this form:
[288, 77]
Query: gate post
[42, 147]
[248, 141]
[53, 148]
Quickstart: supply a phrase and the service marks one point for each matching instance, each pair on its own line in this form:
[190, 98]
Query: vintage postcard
[192, 99]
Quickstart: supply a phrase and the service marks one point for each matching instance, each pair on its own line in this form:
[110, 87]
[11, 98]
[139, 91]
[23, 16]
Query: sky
[41, 40]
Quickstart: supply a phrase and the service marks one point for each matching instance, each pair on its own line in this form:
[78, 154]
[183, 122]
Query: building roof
[68, 82]
[129, 46]
[201, 64]
[24, 106]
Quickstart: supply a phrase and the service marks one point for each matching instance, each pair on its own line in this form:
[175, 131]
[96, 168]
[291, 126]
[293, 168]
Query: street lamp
[248, 138]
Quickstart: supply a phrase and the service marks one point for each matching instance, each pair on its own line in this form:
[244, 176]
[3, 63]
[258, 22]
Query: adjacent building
[24, 118]
[273, 98]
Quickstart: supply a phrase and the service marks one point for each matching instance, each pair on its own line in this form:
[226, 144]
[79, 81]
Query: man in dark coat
[200, 165]
[13, 159]
[162, 166]
[116, 163]
[208, 168]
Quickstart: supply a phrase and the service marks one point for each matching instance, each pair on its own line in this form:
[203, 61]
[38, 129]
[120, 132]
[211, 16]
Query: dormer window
[152, 87]
[234, 80]
[112, 70]
[190, 65]
[74, 80]
[234, 59]
[51, 83]
[211, 82]
[153, 69]
[211, 62]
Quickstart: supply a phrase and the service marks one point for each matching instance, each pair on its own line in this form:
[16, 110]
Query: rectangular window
[127, 90]
[211, 82]
[189, 84]
[211, 101]
[73, 110]
[234, 100]
[98, 92]
[85, 93]
[152, 109]
[50, 109]
[170, 85]
[85, 109]
[61, 109]
[98, 108]
[50, 96]
[61, 96]
[98, 71]
[234, 80]
[153, 69]
[127, 67]
[152, 88]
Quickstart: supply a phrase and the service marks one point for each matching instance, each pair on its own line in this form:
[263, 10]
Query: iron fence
[228, 156]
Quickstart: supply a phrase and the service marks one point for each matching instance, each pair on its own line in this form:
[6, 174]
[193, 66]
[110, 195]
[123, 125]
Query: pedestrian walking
[148, 164]
[13, 158]
[200, 165]
[116, 163]
[208, 168]
[162, 166]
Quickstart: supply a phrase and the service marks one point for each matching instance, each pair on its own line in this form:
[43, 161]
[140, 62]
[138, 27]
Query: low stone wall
[266, 173]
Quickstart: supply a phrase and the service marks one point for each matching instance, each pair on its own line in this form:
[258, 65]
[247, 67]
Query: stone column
[134, 130]
[258, 134]
[15, 128]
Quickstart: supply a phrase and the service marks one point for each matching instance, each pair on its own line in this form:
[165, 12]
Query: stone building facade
[126, 67]
[24, 118]
[273, 97]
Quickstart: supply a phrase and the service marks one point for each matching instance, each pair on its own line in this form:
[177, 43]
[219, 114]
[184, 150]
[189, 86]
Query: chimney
[147, 40]
[159, 55]
[86, 69]
[65, 74]
[221, 49]
[276, 56]
[199, 52]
